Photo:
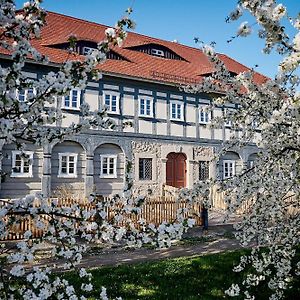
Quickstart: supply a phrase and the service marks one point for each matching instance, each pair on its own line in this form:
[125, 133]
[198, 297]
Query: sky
[180, 20]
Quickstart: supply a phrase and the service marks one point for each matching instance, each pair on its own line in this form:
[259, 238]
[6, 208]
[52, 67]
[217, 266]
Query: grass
[203, 277]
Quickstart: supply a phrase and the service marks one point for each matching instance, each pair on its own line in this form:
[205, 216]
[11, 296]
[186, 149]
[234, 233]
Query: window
[108, 166]
[146, 107]
[157, 52]
[228, 168]
[111, 102]
[228, 123]
[176, 111]
[203, 170]
[26, 94]
[67, 165]
[72, 101]
[203, 115]
[87, 50]
[250, 164]
[254, 124]
[228, 116]
[22, 163]
[145, 169]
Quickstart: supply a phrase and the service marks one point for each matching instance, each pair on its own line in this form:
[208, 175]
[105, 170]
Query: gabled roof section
[189, 66]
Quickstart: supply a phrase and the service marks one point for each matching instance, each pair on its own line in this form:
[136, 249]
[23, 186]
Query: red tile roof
[139, 65]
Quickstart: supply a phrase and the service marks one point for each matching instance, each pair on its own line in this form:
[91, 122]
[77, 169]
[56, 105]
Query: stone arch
[108, 156]
[226, 159]
[14, 186]
[251, 160]
[69, 140]
[72, 183]
[112, 142]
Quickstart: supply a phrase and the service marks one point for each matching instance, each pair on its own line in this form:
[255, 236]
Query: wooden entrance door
[176, 170]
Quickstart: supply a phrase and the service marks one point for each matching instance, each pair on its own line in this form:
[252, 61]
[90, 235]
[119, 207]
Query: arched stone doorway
[176, 170]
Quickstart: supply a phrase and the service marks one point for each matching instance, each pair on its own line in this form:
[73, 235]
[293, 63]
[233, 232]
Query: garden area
[200, 277]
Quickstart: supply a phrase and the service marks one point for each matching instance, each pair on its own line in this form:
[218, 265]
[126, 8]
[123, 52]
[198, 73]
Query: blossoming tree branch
[271, 185]
[270, 188]
[31, 121]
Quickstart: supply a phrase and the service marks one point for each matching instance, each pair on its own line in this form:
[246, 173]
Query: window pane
[203, 170]
[111, 166]
[148, 169]
[17, 169]
[145, 168]
[201, 116]
[107, 101]
[18, 163]
[148, 107]
[74, 98]
[173, 111]
[104, 165]
[30, 93]
[178, 111]
[64, 164]
[67, 101]
[141, 169]
[26, 169]
[18, 160]
[21, 95]
[114, 103]
[142, 106]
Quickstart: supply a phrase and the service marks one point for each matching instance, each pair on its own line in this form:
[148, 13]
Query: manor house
[169, 142]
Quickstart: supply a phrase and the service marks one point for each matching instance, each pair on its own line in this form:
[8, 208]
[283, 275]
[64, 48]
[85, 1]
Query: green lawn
[203, 277]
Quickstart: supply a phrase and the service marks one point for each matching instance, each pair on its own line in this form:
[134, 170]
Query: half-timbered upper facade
[169, 142]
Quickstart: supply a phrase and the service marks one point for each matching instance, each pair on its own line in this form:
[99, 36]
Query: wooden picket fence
[217, 201]
[291, 203]
[155, 210]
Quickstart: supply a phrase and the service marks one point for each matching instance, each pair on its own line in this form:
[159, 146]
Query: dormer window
[157, 52]
[87, 50]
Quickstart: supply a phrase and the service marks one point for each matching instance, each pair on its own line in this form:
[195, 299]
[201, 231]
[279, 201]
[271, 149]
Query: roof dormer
[84, 47]
[157, 50]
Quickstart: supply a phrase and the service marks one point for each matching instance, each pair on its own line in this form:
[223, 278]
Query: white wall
[161, 109]
[176, 129]
[161, 128]
[128, 105]
[145, 127]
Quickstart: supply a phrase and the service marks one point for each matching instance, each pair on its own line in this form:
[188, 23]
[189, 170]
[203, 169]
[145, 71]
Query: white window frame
[251, 164]
[70, 107]
[157, 52]
[232, 162]
[150, 115]
[203, 111]
[254, 124]
[109, 108]
[115, 159]
[87, 50]
[67, 175]
[228, 123]
[21, 173]
[180, 104]
[25, 94]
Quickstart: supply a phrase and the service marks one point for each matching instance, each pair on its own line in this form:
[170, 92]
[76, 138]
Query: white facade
[163, 121]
